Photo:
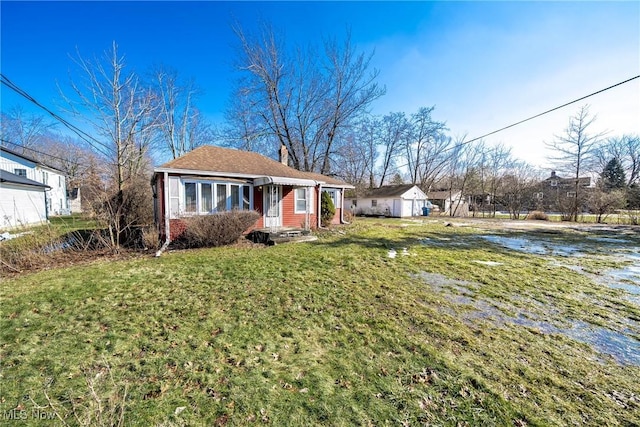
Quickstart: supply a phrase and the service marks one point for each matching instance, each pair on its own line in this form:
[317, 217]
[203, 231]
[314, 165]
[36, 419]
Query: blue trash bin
[425, 211]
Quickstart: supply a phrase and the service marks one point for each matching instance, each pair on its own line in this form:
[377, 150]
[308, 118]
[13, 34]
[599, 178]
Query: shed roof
[12, 178]
[388, 191]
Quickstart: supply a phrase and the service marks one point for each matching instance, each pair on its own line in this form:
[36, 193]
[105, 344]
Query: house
[402, 200]
[555, 193]
[24, 209]
[450, 202]
[22, 201]
[213, 179]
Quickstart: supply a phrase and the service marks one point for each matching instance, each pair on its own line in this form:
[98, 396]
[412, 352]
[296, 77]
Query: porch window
[206, 196]
[221, 197]
[235, 197]
[190, 197]
[246, 197]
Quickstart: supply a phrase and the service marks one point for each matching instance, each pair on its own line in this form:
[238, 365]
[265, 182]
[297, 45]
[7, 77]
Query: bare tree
[394, 131]
[575, 154]
[626, 149]
[303, 99]
[123, 113]
[422, 137]
[124, 117]
[181, 126]
[22, 131]
[518, 188]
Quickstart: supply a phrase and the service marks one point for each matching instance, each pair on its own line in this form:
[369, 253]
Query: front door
[272, 206]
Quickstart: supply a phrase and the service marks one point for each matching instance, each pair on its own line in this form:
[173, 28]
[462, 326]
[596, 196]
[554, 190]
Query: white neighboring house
[404, 200]
[18, 201]
[451, 203]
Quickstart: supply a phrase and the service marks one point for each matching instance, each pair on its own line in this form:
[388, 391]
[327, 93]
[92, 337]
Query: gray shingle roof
[9, 177]
[388, 191]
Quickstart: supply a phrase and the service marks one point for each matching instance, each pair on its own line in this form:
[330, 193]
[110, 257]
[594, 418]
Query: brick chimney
[553, 174]
[284, 155]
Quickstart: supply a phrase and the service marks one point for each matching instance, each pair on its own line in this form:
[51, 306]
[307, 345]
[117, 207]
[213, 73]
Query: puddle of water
[622, 347]
[529, 246]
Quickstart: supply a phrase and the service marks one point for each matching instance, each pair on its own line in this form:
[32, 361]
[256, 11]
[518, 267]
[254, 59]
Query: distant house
[450, 202]
[404, 200]
[214, 179]
[20, 204]
[555, 193]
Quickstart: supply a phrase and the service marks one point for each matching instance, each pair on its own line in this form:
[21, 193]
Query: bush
[216, 230]
[327, 209]
[539, 215]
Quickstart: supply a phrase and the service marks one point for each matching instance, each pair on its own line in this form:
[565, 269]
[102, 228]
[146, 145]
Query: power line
[547, 112]
[82, 134]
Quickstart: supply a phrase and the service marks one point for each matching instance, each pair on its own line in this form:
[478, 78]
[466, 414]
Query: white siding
[57, 202]
[21, 206]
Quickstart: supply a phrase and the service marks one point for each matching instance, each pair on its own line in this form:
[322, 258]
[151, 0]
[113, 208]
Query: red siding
[292, 219]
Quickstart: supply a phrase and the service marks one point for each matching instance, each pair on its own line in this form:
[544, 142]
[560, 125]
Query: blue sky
[483, 65]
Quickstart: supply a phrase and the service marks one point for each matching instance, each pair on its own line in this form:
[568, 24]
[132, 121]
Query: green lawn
[332, 332]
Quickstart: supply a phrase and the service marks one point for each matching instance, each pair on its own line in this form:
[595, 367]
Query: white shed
[404, 200]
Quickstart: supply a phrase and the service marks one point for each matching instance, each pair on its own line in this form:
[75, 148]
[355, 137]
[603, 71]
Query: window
[354, 203]
[246, 197]
[221, 197]
[374, 203]
[553, 182]
[20, 172]
[539, 196]
[301, 200]
[571, 194]
[206, 195]
[45, 178]
[235, 197]
[59, 181]
[190, 197]
[200, 196]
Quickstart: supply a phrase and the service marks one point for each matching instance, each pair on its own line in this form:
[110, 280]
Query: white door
[272, 206]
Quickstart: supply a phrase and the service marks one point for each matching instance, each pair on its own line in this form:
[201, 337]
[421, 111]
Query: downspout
[167, 229]
[342, 221]
[319, 211]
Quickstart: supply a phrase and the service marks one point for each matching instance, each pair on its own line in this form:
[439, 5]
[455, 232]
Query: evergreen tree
[613, 176]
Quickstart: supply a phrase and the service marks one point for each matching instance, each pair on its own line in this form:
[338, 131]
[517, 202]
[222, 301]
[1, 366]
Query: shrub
[215, 230]
[539, 215]
[327, 209]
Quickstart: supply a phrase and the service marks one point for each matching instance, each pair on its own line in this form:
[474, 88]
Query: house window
[206, 196]
[20, 172]
[221, 197]
[539, 196]
[246, 197]
[301, 200]
[235, 197]
[571, 194]
[190, 200]
[199, 197]
[45, 178]
[553, 182]
[374, 203]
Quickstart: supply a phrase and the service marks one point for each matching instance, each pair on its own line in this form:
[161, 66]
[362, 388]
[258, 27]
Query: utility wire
[82, 134]
[546, 112]
[42, 153]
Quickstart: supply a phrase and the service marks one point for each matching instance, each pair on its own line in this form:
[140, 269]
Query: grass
[325, 333]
